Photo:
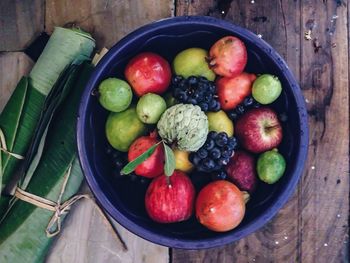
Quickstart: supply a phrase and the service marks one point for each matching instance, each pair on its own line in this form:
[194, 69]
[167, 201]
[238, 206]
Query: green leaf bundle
[53, 151]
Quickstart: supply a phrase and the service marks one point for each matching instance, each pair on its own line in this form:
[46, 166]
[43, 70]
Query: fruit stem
[154, 134]
[246, 196]
[271, 128]
[168, 181]
[95, 93]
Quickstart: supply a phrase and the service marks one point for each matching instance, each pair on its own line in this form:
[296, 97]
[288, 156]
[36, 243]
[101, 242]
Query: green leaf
[169, 166]
[9, 123]
[130, 167]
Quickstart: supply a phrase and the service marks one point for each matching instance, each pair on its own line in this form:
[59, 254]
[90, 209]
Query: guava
[122, 128]
[115, 94]
[150, 107]
[266, 89]
[270, 166]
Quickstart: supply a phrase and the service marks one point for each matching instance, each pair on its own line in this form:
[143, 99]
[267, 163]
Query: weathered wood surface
[20, 22]
[107, 20]
[313, 225]
[13, 65]
[87, 239]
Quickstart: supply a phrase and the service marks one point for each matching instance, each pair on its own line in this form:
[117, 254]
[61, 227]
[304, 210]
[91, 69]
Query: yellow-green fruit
[181, 161]
[220, 122]
[115, 94]
[122, 128]
[270, 166]
[193, 62]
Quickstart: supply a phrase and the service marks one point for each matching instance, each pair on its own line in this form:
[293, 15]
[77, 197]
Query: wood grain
[108, 20]
[309, 223]
[20, 22]
[13, 65]
[87, 239]
[325, 81]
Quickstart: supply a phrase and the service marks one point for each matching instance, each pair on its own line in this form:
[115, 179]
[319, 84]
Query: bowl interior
[123, 198]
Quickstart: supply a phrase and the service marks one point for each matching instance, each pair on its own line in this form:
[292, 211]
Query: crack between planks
[170, 255]
[347, 247]
[174, 8]
[284, 22]
[44, 15]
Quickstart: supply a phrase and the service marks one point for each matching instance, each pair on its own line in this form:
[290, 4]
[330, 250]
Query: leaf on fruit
[131, 166]
[169, 165]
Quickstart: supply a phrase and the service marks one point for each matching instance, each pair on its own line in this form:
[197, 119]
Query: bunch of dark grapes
[197, 91]
[119, 160]
[247, 104]
[215, 153]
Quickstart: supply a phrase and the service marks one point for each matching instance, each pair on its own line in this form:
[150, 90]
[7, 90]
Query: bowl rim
[207, 242]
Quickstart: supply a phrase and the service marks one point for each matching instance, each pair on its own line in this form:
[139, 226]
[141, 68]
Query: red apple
[148, 73]
[154, 165]
[259, 130]
[170, 199]
[228, 56]
[232, 91]
[241, 171]
[220, 206]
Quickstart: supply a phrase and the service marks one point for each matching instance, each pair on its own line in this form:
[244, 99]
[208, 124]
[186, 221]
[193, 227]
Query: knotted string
[61, 209]
[3, 147]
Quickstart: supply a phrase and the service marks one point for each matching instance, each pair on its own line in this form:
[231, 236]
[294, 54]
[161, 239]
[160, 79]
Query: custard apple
[184, 124]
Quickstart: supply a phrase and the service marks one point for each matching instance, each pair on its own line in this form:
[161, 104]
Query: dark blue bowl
[124, 200]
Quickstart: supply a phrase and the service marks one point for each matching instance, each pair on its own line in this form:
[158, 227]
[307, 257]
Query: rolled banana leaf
[21, 114]
[22, 229]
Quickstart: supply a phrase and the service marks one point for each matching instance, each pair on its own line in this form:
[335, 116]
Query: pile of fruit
[202, 115]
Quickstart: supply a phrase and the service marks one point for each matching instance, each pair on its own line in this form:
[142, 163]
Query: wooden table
[313, 225]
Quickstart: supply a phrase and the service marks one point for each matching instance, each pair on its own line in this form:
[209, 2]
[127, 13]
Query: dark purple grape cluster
[247, 104]
[197, 91]
[215, 153]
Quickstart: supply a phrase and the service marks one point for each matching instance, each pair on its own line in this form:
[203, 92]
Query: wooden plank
[13, 65]
[86, 238]
[20, 22]
[108, 20]
[325, 80]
